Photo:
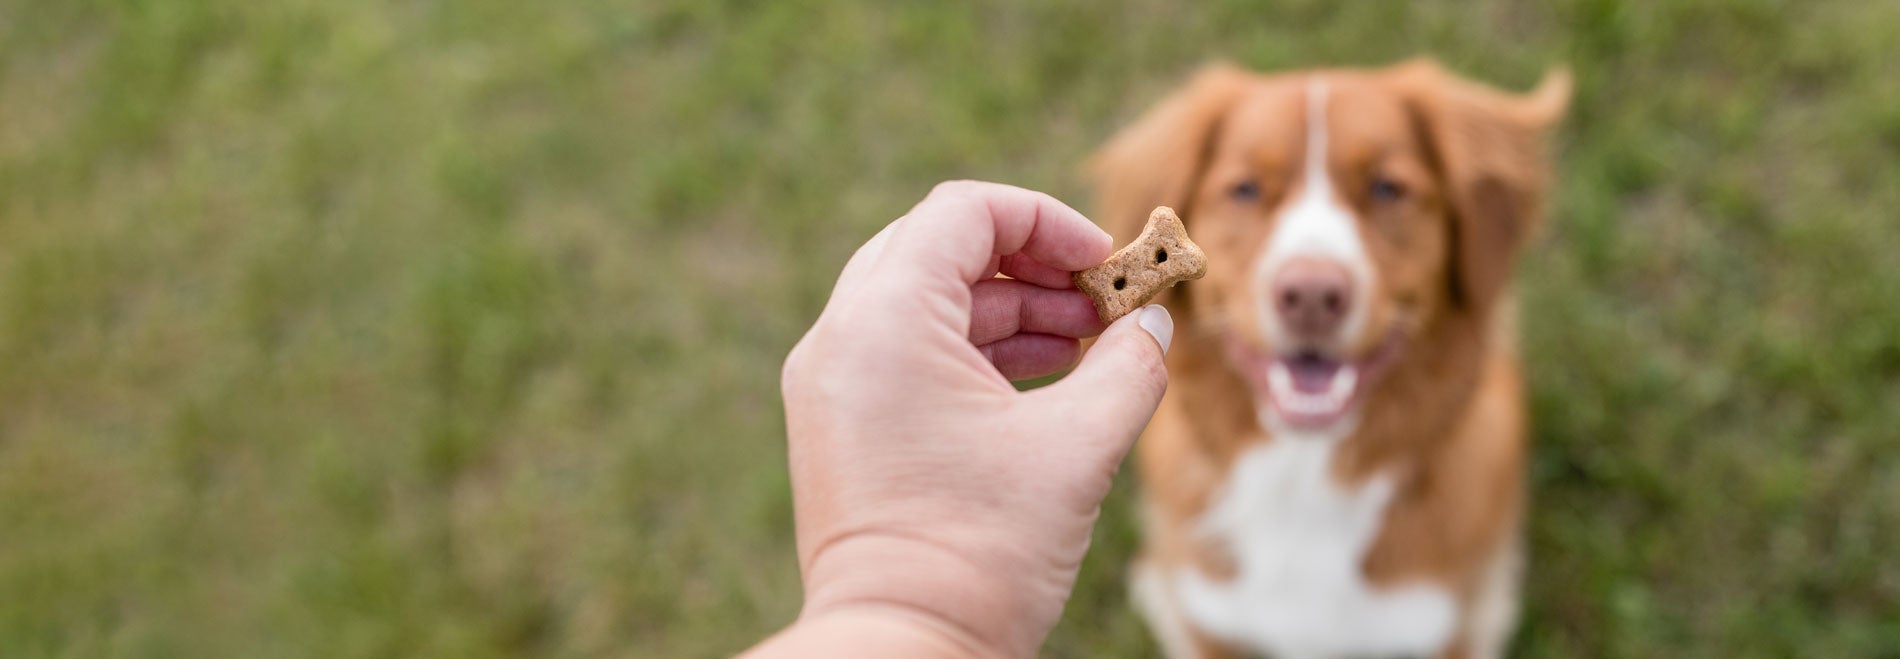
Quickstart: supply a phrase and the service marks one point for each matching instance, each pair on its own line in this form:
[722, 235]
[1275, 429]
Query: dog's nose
[1312, 297]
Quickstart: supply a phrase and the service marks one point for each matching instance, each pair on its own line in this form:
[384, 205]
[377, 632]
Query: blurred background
[418, 329]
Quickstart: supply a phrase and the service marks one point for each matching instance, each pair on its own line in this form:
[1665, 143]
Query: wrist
[938, 587]
[869, 631]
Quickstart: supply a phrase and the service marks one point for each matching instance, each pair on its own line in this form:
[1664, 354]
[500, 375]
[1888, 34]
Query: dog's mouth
[1313, 390]
[1310, 390]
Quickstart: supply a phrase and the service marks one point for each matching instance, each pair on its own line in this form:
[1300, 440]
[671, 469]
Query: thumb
[1119, 383]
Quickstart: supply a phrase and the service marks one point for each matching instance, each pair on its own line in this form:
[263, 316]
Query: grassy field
[417, 329]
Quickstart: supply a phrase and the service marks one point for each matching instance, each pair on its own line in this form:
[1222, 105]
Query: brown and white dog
[1337, 469]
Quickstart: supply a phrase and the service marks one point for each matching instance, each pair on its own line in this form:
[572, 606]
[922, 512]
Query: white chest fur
[1298, 540]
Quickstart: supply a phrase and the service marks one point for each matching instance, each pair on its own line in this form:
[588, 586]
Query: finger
[1120, 381]
[995, 266]
[1000, 308]
[1022, 266]
[1026, 356]
[953, 233]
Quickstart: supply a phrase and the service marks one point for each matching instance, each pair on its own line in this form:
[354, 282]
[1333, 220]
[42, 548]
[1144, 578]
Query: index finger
[954, 232]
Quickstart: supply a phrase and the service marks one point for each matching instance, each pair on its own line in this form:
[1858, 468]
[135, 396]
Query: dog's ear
[1487, 147]
[1158, 160]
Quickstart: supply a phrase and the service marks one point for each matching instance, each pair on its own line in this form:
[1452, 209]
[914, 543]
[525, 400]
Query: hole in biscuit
[1161, 256]
[1121, 283]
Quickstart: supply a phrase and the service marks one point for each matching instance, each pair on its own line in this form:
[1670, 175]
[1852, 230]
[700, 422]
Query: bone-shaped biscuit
[1160, 257]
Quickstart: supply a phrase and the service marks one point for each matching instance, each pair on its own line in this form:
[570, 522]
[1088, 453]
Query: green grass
[370, 329]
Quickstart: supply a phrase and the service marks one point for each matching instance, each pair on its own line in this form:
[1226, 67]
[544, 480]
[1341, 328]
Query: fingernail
[1159, 324]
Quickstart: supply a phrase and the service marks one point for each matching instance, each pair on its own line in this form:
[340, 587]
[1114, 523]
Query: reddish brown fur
[1448, 418]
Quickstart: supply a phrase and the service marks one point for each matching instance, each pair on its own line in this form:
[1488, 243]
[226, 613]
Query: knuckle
[1045, 199]
[794, 365]
[955, 188]
[951, 199]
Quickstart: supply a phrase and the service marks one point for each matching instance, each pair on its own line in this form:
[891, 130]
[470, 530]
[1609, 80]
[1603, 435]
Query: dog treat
[1160, 257]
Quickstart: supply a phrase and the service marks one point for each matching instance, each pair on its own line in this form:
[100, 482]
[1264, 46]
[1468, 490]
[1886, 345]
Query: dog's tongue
[1312, 374]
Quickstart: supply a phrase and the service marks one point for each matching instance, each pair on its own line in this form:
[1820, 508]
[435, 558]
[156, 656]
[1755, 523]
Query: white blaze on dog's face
[1332, 237]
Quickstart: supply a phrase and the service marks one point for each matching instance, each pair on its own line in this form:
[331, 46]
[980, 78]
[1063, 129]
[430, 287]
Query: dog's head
[1344, 213]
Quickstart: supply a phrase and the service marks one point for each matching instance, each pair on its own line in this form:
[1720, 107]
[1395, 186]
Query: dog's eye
[1386, 190]
[1245, 191]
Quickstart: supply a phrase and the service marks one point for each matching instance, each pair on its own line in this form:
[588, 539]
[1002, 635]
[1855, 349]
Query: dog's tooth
[1279, 379]
[1343, 382]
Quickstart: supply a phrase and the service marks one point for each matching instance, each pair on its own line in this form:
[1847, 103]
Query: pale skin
[940, 512]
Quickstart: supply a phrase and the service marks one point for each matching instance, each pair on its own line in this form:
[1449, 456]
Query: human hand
[928, 492]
